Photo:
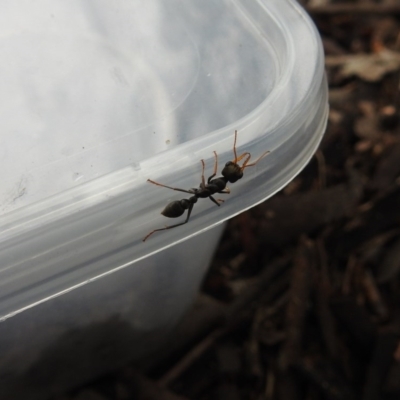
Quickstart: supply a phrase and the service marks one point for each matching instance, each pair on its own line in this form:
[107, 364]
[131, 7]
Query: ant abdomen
[176, 208]
[219, 184]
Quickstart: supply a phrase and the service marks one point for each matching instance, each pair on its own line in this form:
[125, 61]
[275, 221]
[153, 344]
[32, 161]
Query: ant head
[232, 172]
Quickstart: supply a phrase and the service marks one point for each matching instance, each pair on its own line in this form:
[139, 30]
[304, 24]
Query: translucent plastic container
[97, 97]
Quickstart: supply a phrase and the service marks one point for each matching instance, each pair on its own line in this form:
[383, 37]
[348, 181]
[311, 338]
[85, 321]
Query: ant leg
[171, 226]
[203, 182]
[169, 187]
[215, 167]
[215, 163]
[226, 191]
[216, 201]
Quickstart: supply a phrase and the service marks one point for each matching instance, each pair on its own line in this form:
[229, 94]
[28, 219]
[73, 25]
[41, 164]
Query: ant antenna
[234, 148]
[245, 165]
[245, 155]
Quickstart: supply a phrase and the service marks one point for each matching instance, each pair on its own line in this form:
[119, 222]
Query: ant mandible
[231, 173]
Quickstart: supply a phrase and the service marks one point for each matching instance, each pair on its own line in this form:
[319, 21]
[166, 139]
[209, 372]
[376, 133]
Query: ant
[231, 173]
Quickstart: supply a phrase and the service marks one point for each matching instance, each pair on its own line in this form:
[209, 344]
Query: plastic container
[96, 98]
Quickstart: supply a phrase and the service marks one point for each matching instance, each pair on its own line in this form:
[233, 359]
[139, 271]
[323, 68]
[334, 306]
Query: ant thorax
[219, 183]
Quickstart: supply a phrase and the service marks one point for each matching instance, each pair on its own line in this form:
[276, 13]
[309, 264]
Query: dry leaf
[370, 67]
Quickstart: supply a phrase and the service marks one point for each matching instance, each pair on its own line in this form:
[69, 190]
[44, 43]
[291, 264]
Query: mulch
[302, 300]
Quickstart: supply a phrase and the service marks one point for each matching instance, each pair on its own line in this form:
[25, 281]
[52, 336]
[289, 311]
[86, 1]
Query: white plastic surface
[99, 96]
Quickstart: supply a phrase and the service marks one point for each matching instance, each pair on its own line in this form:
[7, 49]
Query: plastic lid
[98, 97]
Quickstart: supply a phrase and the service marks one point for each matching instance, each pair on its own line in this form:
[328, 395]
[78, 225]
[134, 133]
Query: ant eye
[228, 164]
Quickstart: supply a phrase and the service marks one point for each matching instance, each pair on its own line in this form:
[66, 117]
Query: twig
[143, 388]
[328, 381]
[298, 304]
[190, 357]
[365, 58]
[234, 314]
[357, 321]
[373, 295]
[348, 277]
[382, 358]
[321, 169]
[323, 292]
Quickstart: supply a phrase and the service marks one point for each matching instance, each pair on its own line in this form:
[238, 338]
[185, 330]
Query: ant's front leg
[203, 182]
[215, 167]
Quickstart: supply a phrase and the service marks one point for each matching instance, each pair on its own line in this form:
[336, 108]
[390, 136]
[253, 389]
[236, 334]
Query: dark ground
[303, 298]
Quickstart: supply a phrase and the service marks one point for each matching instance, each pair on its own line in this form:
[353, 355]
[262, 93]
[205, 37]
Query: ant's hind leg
[171, 226]
[169, 187]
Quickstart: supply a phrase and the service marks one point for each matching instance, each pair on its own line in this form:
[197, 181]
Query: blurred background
[302, 300]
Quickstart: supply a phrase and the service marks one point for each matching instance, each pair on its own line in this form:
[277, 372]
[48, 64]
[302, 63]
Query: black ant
[232, 172]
